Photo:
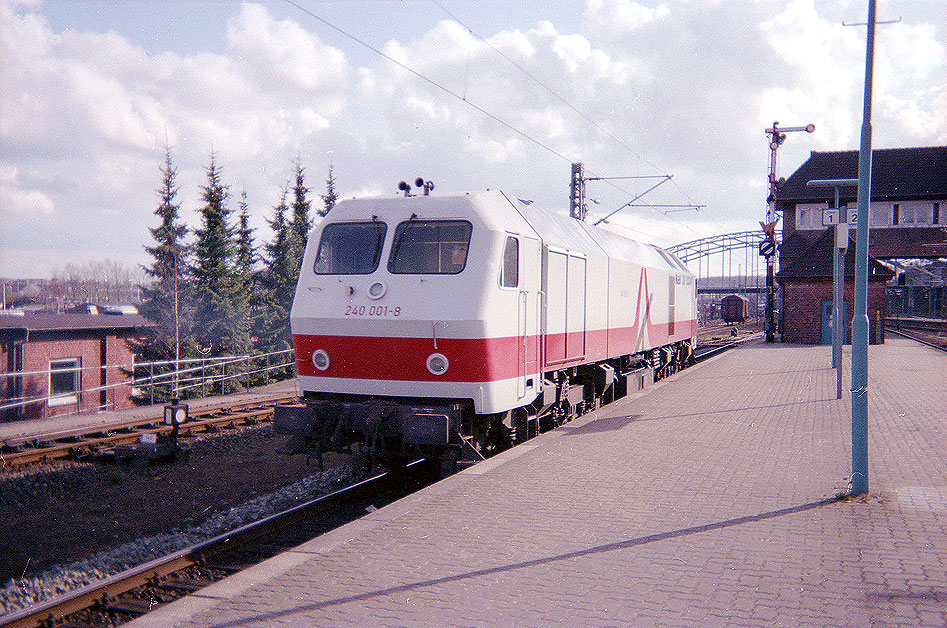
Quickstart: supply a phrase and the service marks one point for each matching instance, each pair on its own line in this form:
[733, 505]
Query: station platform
[707, 500]
[15, 432]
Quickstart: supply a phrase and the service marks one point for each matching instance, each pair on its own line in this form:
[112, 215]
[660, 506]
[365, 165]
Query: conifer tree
[165, 298]
[245, 279]
[301, 223]
[330, 197]
[214, 270]
[278, 281]
[246, 250]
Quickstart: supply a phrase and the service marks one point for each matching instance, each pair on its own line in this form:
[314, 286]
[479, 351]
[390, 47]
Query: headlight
[377, 290]
[437, 363]
[320, 359]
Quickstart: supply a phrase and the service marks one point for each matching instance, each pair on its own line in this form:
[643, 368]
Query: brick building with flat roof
[63, 363]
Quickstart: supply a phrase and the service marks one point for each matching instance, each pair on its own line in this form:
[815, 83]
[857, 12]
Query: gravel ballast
[64, 528]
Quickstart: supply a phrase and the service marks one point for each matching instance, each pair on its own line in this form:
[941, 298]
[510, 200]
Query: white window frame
[809, 216]
[59, 365]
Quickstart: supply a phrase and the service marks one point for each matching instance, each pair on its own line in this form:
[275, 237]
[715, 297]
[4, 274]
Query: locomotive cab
[412, 314]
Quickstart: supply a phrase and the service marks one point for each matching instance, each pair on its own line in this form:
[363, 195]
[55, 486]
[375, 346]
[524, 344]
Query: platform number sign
[767, 248]
[831, 217]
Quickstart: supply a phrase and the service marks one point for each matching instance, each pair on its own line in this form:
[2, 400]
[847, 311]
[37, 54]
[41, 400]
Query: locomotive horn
[427, 186]
[404, 187]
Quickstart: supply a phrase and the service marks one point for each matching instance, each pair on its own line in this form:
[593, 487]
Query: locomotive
[458, 325]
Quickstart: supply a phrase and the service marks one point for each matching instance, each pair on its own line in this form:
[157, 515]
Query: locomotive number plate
[374, 311]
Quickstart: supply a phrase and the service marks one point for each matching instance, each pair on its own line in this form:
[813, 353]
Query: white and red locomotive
[427, 323]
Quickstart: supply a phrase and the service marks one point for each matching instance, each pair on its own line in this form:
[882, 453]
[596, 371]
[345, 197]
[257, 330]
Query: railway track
[708, 351]
[92, 441]
[935, 340]
[131, 594]
[926, 324]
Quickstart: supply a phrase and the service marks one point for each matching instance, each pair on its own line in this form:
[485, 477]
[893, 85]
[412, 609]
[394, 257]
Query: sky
[473, 95]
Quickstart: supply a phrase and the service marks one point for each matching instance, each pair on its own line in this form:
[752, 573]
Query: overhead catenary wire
[580, 113]
[463, 98]
[550, 90]
[432, 82]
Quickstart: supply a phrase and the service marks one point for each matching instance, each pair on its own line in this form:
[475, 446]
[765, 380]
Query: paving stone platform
[708, 500]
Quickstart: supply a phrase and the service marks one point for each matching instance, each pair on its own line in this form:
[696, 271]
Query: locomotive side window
[510, 274]
[350, 248]
[430, 247]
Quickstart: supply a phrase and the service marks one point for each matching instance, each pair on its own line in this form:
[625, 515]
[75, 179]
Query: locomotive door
[528, 308]
[564, 286]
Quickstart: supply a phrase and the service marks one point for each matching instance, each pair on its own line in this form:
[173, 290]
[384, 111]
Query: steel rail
[709, 352]
[915, 338]
[925, 324]
[47, 613]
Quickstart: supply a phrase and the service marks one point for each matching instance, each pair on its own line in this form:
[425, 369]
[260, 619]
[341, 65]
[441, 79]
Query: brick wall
[90, 347]
[802, 313]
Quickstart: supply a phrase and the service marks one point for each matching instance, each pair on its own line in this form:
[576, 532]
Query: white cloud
[686, 87]
[284, 55]
[20, 201]
[85, 117]
[825, 61]
[29, 203]
[621, 17]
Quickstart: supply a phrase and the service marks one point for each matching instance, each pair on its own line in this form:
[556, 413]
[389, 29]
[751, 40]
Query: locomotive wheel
[363, 461]
[393, 462]
[499, 437]
[449, 457]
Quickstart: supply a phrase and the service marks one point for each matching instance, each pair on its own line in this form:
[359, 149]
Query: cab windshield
[350, 248]
[430, 247]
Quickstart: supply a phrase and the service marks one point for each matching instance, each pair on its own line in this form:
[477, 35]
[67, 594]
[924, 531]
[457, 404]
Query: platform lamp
[833, 217]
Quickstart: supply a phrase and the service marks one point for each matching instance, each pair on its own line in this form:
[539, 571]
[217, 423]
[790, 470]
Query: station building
[907, 220]
[64, 363]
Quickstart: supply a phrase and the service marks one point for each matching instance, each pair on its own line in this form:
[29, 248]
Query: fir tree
[301, 223]
[245, 280]
[330, 197]
[246, 251]
[214, 270]
[164, 299]
[277, 282]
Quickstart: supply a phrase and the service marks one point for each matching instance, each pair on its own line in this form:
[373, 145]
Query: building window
[509, 275]
[916, 214]
[65, 381]
[809, 216]
[804, 218]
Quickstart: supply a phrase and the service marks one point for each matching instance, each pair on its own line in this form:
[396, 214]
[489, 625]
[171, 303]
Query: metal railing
[155, 381]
